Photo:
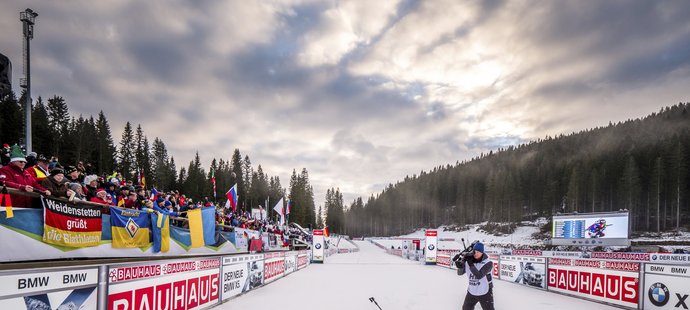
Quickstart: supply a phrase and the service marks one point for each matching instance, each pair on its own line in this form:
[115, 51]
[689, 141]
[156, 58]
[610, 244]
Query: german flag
[69, 225]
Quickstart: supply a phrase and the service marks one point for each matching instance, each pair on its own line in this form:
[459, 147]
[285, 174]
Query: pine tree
[41, 134]
[11, 122]
[127, 160]
[58, 120]
[105, 147]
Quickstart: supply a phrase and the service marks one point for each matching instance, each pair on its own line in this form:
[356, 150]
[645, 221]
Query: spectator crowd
[36, 173]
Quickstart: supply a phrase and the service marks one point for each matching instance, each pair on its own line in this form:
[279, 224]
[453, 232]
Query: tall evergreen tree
[41, 133]
[58, 119]
[127, 160]
[105, 147]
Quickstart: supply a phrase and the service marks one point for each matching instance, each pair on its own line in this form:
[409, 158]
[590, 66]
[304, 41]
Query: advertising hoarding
[318, 246]
[599, 280]
[431, 245]
[592, 229]
[61, 288]
[241, 273]
[302, 259]
[526, 270]
[274, 266]
[666, 287]
[172, 284]
[290, 262]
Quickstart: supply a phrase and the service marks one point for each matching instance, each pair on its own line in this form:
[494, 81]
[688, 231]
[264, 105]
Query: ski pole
[374, 301]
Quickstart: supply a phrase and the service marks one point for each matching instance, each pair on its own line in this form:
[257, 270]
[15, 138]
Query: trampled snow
[347, 281]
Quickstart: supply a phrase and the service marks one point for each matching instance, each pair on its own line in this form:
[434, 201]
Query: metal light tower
[28, 18]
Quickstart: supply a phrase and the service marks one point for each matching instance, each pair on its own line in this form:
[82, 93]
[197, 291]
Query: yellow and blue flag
[130, 228]
[202, 226]
[161, 232]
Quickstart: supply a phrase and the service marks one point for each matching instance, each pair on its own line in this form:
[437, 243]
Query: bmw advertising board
[61, 288]
[431, 244]
[526, 270]
[241, 273]
[666, 287]
[318, 246]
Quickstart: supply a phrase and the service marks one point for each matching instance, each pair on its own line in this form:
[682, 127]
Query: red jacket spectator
[14, 176]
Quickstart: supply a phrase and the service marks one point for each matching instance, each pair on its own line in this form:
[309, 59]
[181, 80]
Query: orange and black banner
[71, 225]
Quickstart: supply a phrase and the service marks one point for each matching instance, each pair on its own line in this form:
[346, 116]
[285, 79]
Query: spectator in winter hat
[72, 174]
[31, 160]
[78, 191]
[55, 183]
[101, 197]
[14, 176]
[5, 154]
[90, 186]
[40, 171]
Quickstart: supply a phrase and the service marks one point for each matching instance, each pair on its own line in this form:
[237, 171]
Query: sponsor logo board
[186, 284]
[240, 274]
[666, 287]
[611, 282]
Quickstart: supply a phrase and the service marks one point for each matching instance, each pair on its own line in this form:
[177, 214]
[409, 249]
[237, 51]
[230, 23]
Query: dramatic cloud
[360, 93]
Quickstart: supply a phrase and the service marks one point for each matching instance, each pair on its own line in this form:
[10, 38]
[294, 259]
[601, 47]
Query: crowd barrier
[194, 283]
[627, 280]
[65, 230]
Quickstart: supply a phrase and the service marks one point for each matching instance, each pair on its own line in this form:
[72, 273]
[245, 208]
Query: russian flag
[154, 194]
[232, 198]
[289, 206]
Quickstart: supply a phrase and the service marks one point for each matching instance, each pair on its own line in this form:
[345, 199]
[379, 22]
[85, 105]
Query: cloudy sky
[361, 93]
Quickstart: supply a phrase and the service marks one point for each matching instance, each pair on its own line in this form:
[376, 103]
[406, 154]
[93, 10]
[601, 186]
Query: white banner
[274, 266]
[174, 284]
[318, 246]
[661, 258]
[431, 240]
[290, 262]
[241, 273]
[527, 270]
[49, 289]
[666, 287]
[607, 281]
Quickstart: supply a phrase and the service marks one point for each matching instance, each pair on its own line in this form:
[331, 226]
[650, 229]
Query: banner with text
[526, 270]
[174, 284]
[608, 281]
[290, 262]
[431, 239]
[318, 246]
[70, 225]
[241, 273]
[274, 266]
[49, 289]
[666, 287]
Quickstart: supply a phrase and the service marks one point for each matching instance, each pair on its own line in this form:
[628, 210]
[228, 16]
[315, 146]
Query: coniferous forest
[55, 132]
[640, 165]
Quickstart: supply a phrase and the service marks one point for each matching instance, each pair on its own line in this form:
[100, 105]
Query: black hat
[138, 188]
[70, 169]
[42, 158]
[56, 171]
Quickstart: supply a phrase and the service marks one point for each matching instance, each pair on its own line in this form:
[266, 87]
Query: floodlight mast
[28, 18]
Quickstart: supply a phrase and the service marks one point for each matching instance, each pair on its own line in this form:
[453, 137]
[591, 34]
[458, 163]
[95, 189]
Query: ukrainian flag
[130, 228]
[202, 226]
[161, 232]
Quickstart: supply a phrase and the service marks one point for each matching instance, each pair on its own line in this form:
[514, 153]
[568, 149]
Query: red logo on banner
[606, 286]
[184, 294]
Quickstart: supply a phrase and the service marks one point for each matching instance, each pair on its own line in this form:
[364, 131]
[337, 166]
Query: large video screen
[591, 229]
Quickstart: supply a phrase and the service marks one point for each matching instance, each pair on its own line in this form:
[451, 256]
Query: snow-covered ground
[347, 281]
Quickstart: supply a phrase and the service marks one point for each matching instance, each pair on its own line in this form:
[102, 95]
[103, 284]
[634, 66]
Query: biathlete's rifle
[460, 259]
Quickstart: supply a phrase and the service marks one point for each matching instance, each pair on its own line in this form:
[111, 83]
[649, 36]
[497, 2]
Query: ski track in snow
[346, 281]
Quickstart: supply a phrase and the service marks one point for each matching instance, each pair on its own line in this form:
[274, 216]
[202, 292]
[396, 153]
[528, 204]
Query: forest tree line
[640, 165]
[55, 132]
